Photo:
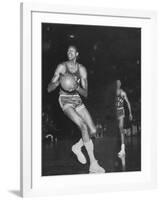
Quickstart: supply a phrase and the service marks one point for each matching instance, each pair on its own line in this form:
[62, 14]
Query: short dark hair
[73, 46]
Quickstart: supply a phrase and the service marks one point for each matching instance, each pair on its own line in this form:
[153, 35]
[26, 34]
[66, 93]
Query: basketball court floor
[58, 159]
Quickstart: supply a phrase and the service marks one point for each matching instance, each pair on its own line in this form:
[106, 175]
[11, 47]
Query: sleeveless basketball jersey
[119, 101]
[76, 75]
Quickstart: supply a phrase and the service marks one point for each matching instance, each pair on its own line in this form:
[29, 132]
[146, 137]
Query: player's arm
[84, 83]
[128, 104]
[55, 80]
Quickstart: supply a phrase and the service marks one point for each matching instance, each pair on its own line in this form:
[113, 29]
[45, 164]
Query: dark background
[108, 53]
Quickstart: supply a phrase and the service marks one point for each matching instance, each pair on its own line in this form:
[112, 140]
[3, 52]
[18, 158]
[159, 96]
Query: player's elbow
[50, 87]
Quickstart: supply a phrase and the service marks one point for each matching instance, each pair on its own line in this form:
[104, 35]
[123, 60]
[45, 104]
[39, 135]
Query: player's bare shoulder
[82, 70]
[61, 68]
[123, 93]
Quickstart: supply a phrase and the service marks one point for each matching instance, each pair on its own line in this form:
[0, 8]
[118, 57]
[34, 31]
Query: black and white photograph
[88, 92]
[90, 99]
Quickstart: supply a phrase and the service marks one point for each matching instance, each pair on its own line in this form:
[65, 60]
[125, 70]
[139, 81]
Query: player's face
[72, 53]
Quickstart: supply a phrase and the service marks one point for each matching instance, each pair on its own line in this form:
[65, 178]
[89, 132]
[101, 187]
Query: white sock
[90, 150]
[123, 147]
[79, 144]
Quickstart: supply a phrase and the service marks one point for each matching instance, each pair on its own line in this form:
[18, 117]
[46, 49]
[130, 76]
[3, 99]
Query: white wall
[9, 100]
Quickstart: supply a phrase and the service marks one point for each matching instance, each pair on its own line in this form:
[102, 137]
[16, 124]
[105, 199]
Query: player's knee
[122, 130]
[83, 127]
[93, 130]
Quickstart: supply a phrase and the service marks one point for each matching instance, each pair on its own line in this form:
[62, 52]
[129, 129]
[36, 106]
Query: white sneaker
[96, 168]
[80, 156]
[121, 153]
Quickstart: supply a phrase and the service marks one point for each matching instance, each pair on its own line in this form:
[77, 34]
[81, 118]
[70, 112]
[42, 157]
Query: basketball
[68, 82]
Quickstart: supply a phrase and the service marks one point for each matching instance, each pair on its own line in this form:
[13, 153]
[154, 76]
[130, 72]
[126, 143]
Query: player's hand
[71, 90]
[130, 117]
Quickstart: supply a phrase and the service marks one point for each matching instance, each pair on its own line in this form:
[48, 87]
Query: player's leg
[85, 115]
[122, 133]
[94, 166]
[71, 114]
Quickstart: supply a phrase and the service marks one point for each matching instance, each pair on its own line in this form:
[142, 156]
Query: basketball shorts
[120, 112]
[69, 100]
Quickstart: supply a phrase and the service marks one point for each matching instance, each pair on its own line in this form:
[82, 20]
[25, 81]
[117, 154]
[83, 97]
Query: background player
[73, 107]
[120, 112]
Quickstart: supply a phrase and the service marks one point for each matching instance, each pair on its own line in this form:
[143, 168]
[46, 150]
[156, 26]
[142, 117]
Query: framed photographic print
[87, 99]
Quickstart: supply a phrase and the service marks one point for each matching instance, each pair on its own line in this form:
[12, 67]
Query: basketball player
[120, 112]
[73, 107]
